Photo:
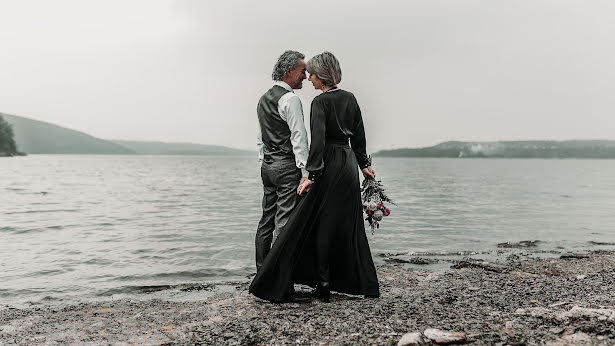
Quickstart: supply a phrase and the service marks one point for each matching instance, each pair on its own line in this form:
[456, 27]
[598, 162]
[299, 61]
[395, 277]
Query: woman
[323, 243]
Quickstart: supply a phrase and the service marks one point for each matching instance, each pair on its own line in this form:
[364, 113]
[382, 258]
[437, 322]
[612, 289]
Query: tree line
[7, 139]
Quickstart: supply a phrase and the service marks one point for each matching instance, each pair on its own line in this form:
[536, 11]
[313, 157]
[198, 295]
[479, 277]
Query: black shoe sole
[298, 300]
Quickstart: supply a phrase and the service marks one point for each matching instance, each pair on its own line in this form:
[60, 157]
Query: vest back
[275, 131]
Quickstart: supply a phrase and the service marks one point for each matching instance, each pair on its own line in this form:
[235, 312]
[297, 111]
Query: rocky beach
[565, 299]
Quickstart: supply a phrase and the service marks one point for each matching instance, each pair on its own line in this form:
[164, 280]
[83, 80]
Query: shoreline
[567, 299]
[184, 290]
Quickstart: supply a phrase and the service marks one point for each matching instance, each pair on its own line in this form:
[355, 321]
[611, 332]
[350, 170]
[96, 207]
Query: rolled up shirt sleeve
[259, 144]
[292, 113]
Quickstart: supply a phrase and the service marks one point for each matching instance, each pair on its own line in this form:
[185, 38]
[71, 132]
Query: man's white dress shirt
[291, 111]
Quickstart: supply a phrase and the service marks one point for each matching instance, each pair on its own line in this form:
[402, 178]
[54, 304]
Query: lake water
[94, 227]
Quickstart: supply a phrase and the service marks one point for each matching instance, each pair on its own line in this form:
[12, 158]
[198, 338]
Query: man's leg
[288, 181]
[264, 232]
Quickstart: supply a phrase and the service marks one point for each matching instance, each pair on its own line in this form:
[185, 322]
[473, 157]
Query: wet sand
[568, 299]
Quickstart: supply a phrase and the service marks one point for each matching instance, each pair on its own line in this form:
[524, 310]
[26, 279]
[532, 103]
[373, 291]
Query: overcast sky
[422, 71]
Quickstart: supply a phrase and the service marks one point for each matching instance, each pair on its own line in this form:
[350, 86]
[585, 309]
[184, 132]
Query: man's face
[295, 77]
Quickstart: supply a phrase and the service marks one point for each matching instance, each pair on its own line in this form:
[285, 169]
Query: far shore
[2, 154]
[567, 299]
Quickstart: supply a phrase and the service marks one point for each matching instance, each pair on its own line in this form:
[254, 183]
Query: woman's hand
[368, 172]
[304, 187]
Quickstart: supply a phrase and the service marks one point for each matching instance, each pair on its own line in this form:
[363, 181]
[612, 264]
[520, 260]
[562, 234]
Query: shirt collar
[284, 85]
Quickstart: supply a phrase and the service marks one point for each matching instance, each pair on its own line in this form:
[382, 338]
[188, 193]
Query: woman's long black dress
[324, 239]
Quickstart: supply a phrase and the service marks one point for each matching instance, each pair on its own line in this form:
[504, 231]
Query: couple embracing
[312, 198]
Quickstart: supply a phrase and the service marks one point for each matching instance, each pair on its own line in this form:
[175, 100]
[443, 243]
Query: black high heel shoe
[322, 292]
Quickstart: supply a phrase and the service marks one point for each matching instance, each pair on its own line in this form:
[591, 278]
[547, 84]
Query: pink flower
[380, 205]
[387, 212]
[370, 212]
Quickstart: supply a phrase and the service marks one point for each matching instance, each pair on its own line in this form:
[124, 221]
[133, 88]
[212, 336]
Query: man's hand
[302, 180]
[304, 187]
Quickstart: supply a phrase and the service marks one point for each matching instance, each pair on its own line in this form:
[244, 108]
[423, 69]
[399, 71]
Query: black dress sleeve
[357, 141]
[318, 122]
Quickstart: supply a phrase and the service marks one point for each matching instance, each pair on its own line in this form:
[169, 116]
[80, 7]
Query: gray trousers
[280, 182]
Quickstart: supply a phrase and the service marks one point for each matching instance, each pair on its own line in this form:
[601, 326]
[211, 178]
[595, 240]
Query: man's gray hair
[326, 67]
[286, 62]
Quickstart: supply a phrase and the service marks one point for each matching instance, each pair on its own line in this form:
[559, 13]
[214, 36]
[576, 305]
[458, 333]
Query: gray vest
[275, 131]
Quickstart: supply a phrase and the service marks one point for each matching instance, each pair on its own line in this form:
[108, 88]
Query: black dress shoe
[298, 299]
[303, 293]
[322, 292]
[372, 296]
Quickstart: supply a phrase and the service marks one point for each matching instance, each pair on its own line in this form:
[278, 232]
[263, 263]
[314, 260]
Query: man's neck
[285, 84]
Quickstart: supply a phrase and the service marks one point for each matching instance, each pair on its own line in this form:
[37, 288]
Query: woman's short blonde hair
[326, 67]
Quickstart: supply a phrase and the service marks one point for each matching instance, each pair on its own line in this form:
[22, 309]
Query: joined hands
[304, 186]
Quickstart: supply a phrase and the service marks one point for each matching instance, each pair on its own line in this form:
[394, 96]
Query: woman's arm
[318, 122]
[357, 141]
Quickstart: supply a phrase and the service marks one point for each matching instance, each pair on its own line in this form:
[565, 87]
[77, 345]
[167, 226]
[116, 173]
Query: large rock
[578, 338]
[521, 244]
[411, 339]
[574, 256]
[444, 336]
[579, 312]
[482, 265]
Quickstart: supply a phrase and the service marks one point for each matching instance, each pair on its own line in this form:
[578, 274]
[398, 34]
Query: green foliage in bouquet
[372, 189]
[374, 197]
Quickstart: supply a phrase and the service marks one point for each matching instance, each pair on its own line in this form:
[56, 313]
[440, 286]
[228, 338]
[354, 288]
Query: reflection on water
[75, 227]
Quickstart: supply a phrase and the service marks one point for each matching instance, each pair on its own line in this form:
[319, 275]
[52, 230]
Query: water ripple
[134, 224]
[42, 211]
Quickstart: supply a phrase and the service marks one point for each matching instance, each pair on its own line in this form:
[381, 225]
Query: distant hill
[162, 148]
[586, 149]
[38, 137]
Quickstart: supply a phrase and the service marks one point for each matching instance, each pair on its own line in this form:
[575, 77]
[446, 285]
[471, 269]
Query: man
[283, 148]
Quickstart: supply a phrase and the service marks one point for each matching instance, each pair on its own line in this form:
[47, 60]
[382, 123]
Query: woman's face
[316, 82]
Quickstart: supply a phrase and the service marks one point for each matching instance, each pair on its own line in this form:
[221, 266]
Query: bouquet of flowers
[373, 197]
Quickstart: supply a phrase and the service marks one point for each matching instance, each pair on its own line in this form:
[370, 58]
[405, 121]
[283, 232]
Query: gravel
[532, 301]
